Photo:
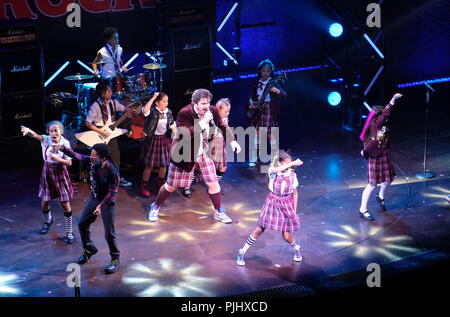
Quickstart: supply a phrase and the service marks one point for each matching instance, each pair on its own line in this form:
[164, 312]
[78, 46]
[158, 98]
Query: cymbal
[78, 77]
[101, 62]
[158, 53]
[153, 66]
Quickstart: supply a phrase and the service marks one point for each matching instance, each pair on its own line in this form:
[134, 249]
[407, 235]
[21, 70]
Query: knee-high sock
[254, 150]
[383, 188]
[215, 198]
[247, 244]
[68, 217]
[47, 215]
[365, 196]
[162, 196]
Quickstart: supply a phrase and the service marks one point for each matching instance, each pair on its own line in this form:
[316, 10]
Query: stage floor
[187, 253]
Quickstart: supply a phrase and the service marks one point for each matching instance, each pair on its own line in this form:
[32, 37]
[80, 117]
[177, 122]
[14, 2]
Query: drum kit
[126, 88]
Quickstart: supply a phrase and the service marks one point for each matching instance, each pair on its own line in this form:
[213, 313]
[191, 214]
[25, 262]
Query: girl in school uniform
[159, 126]
[55, 181]
[279, 209]
[380, 170]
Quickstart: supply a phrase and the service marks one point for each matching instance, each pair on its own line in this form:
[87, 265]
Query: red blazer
[186, 120]
[379, 138]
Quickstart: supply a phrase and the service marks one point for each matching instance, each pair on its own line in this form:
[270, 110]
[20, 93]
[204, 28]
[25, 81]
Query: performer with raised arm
[380, 170]
[189, 153]
[55, 180]
[105, 178]
[279, 211]
[159, 127]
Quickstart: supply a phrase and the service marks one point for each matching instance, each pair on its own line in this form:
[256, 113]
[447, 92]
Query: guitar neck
[118, 122]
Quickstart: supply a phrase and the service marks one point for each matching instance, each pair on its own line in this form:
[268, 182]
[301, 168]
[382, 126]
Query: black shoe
[187, 192]
[87, 254]
[69, 240]
[47, 226]
[112, 266]
[381, 203]
[366, 215]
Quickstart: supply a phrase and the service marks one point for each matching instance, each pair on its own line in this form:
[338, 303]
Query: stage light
[56, 73]
[335, 30]
[334, 98]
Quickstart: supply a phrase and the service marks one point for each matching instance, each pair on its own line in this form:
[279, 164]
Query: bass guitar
[254, 114]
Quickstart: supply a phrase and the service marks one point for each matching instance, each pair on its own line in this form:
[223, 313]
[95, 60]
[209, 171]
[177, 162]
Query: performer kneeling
[279, 209]
[193, 121]
[105, 180]
[159, 125]
[55, 181]
[376, 149]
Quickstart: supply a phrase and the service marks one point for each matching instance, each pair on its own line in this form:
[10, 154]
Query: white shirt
[283, 183]
[205, 128]
[260, 91]
[95, 113]
[47, 149]
[161, 128]
[109, 69]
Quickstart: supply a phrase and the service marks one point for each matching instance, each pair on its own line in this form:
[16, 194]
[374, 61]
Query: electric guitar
[93, 137]
[253, 114]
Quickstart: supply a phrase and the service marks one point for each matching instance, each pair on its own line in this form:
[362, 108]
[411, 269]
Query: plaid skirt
[278, 214]
[266, 119]
[219, 154]
[178, 177]
[380, 169]
[55, 183]
[156, 152]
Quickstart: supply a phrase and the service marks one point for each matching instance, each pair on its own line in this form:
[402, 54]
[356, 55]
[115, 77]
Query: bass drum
[87, 98]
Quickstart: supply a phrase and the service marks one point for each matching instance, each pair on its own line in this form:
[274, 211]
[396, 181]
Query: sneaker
[87, 254]
[124, 182]
[153, 213]
[381, 203]
[69, 238]
[240, 258]
[222, 216]
[251, 164]
[297, 256]
[47, 226]
[112, 266]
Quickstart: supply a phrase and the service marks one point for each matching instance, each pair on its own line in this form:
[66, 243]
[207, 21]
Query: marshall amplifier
[21, 70]
[18, 35]
[21, 109]
[192, 48]
[184, 84]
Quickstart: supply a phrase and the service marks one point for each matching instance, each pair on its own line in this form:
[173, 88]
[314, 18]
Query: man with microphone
[189, 152]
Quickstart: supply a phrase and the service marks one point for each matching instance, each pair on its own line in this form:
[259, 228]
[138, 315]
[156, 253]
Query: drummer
[111, 55]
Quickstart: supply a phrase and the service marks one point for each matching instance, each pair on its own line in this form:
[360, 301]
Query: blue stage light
[335, 30]
[334, 98]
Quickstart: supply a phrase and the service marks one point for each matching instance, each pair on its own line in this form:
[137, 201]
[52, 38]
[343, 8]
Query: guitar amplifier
[21, 70]
[18, 35]
[21, 109]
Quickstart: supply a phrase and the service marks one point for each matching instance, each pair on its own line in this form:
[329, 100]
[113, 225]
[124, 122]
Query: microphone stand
[425, 173]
